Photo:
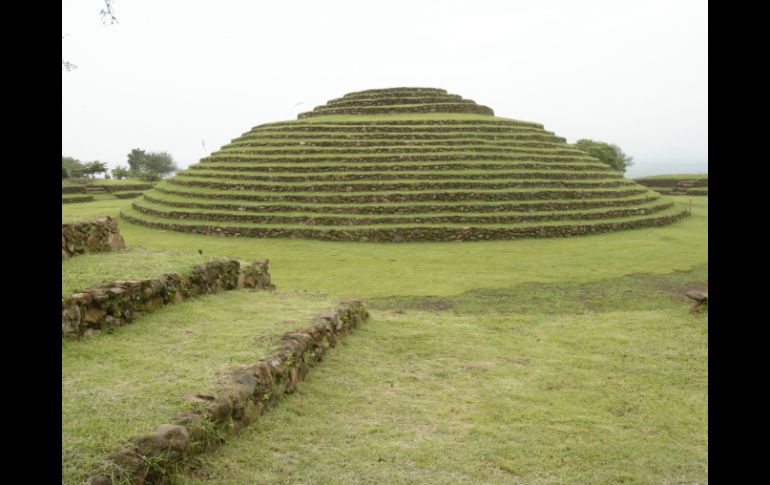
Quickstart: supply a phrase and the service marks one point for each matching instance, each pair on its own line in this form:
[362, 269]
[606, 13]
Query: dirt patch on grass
[638, 291]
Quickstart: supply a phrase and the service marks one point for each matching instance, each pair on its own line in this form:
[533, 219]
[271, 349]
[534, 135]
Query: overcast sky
[177, 75]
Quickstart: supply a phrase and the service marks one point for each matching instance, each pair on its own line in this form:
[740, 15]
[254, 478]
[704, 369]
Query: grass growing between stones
[115, 386]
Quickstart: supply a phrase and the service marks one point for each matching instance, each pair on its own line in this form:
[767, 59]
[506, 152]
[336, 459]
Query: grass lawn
[436, 398]
[344, 269]
[116, 386]
[531, 361]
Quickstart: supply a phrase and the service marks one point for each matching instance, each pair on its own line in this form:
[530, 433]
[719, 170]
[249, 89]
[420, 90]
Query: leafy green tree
[159, 163]
[135, 160]
[607, 153]
[150, 165]
[120, 172]
[71, 167]
[92, 168]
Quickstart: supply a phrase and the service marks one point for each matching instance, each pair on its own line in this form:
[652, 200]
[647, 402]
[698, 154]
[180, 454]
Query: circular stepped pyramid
[400, 164]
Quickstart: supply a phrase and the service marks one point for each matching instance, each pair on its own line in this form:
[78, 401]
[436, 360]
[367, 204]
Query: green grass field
[116, 386]
[569, 360]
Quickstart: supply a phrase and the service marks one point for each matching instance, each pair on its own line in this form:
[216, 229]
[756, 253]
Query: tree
[607, 153]
[150, 165]
[135, 160]
[92, 168]
[71, 167]
[120, 172]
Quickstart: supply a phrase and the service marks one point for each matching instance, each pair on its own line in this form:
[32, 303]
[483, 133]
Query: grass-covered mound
[678, 184]
[401, 164]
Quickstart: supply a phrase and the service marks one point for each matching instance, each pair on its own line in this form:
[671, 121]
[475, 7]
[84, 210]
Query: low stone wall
[406, 197]
[428, 219]
[119, 302]
[225, 157]
[402, 186]
[405, 122]
[409, 209]
[92, 236]
[127, 195]
[199, 173]
[246, 393]
[685, 183]
[412, 234]
[72, 200]
[73, 189]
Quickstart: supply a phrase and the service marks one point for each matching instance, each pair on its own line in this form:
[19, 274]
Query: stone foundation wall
[246, 393]
[71, 200]
[117, 303]
[416, 233]
[96, 235]
[410, 209]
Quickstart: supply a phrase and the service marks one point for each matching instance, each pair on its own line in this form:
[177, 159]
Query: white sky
[173, 74]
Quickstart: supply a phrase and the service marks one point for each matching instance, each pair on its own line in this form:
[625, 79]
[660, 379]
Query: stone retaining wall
[405, 159]
[432, 108]
[595, 167]
[352, 221]
[252, 149]
[402, 186]
[407, 197]
[347, 177]
[71, 200]
[243, 396]
[119, 302]
[400, 122]
[408, 209]
[415, 233]
[701, 182]
[92, 236]
[73, 189]
[127, 195]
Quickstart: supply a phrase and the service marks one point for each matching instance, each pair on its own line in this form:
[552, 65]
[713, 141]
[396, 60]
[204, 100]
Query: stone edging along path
[245, 394]
[116, 303]
[95, 235]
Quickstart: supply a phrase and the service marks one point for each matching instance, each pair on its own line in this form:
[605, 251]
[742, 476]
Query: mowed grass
[345, 269]
[615, 396]
[87, 270]
[116, 386]
[528, 361]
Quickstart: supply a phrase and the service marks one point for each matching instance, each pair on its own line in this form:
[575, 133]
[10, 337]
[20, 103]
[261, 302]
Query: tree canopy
[150, 165]
[71, 168]
[607, 153]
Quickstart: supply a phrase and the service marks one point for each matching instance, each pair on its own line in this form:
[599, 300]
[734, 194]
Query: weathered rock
[94, 315]
[177, 435]
[192, 422]
[219, 410]
[699, 296]
[251, 412]
[116, 242]
[151, 445]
